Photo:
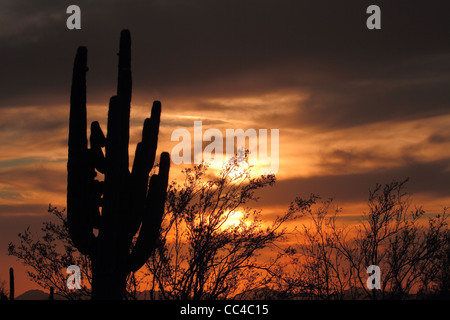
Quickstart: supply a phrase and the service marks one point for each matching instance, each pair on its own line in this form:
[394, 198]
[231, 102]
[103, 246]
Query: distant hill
[37, 295]
[41, 295]
[33, 295]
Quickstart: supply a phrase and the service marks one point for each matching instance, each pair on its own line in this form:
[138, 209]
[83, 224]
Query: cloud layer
[354, 107]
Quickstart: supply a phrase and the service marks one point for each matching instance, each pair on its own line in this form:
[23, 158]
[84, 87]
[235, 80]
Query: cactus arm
[164, 168]
[119, 119]
[79, 170]
[146, 149]
[143, 163]
[153, 215]
[97, 141]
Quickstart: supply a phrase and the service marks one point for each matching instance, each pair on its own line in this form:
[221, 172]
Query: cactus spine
[129, 202]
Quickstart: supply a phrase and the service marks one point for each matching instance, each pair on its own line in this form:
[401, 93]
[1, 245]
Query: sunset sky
[353, 106]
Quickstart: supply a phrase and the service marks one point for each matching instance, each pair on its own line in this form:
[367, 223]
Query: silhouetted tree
[49, 255]
[442, 274]
[393, 238]
[212, 245]
[315, 269]
[208, 245]
[324, 271]
[3, 291]
[331, 259]
[211, 238]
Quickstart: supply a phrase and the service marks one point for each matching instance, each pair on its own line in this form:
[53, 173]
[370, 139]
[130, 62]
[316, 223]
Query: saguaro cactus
[129, 202]
[11, 284]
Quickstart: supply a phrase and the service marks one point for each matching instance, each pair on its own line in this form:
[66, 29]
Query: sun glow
[233, 219]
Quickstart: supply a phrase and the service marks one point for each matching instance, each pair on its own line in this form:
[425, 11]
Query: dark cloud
[42, 119]
[209, 49]
[27, 161]
[8, 193]
[429, 178]
[188, 123]
[23, 209]
[345, 103]
[202, 49]
[339, 160]
[439, 138]
[36, 177]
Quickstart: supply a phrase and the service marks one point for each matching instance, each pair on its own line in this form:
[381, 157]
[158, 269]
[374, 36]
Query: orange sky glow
[353, 108]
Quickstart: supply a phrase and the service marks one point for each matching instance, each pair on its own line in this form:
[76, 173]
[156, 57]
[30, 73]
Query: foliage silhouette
[129, 202]
[331, 259]
[211, 238]
[48, 256]
[3, 291]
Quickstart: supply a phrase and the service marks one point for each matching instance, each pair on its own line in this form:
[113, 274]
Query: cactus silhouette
[11, 284]
[129, 202]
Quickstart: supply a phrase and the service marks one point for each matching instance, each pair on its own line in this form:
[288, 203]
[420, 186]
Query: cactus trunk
[127, 200]
[11, 284]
